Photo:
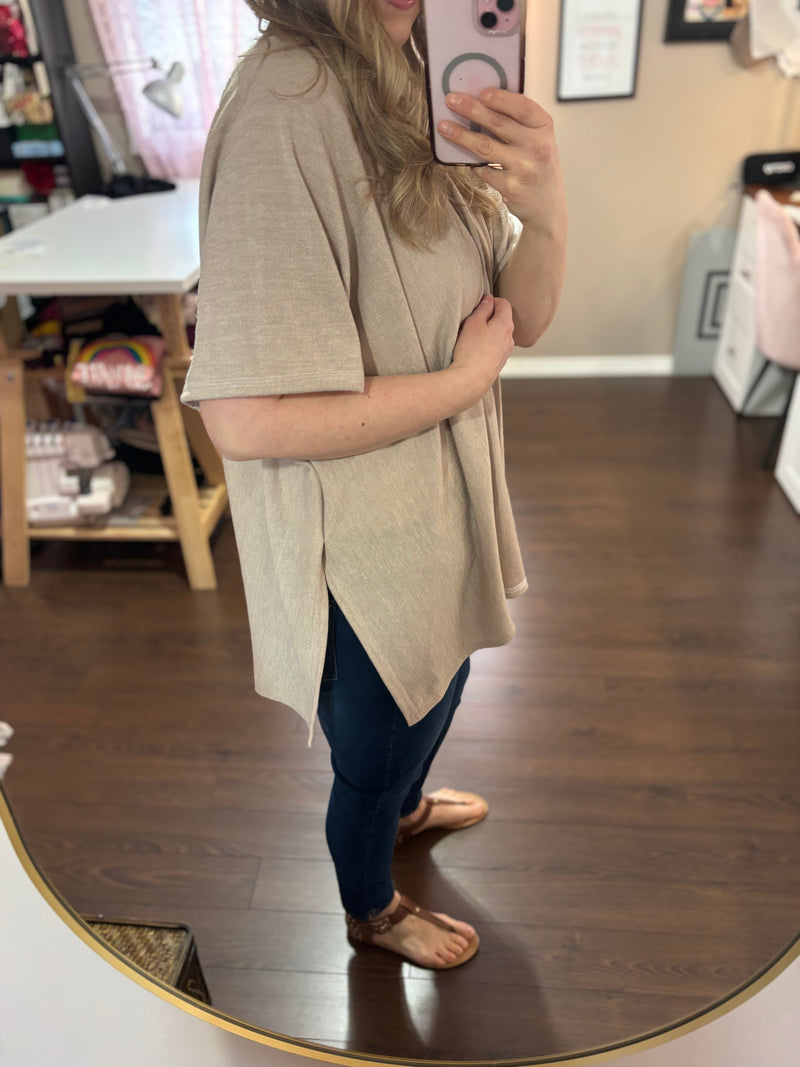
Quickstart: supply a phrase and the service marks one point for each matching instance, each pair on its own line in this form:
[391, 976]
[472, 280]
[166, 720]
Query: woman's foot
[429, 939]
[446, 809]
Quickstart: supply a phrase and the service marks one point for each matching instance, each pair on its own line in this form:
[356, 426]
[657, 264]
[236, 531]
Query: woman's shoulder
[290, 77]
[281, 112]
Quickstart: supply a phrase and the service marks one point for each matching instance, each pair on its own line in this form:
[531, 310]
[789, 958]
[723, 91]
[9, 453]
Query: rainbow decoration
[130, 349]
[125, 365]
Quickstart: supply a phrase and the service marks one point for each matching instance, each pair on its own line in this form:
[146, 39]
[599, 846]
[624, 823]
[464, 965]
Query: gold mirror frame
[295, 1046]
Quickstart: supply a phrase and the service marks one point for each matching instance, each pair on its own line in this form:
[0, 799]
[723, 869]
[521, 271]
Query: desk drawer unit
[736, 362]
[744, 258]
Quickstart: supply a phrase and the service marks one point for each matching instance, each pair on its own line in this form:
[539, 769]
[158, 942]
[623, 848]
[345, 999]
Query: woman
[356, 305]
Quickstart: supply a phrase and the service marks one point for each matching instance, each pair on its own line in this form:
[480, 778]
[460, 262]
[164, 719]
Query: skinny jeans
[379, 763]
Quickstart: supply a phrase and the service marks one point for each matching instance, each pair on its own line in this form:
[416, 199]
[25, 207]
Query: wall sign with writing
[598, 48]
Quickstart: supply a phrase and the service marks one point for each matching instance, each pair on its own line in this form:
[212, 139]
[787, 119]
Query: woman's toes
[464, 929]
[451, 951]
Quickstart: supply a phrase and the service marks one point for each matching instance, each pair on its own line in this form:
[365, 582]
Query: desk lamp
[163, 92]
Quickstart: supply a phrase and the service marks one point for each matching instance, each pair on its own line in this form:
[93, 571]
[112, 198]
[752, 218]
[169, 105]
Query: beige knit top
[305, 288]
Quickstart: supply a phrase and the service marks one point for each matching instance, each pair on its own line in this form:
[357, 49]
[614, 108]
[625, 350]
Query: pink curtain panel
[206, 36]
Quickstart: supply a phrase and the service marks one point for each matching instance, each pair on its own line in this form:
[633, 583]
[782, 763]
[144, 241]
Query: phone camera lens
[505, 5]
[489, 19]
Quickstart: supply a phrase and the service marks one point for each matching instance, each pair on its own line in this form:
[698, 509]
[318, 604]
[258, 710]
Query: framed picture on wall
[703, 20]
[598, 49]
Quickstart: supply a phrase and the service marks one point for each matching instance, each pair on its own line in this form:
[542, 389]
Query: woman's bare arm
[391, 408]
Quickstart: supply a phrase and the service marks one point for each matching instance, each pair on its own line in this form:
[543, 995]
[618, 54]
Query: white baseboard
[588, 367]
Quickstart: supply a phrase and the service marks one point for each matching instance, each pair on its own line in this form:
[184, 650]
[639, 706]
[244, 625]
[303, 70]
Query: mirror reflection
[636, 741]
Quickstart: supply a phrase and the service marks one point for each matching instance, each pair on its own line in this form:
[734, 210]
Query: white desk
[95, 246]
[135, 245]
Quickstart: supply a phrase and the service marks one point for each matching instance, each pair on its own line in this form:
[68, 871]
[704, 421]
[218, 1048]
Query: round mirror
[638, 743]
[108, 994]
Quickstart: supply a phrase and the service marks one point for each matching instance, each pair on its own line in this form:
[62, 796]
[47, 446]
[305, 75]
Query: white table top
[97, 246]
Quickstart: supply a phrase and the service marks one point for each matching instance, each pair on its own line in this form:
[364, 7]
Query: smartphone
[471, 45]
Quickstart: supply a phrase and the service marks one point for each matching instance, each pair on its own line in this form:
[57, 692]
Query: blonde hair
[384, 86]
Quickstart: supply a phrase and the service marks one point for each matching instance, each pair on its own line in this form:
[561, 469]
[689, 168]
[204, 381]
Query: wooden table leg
[182, 487]
[16, 547]
[170, 318]
[175, 453]
[202, 449]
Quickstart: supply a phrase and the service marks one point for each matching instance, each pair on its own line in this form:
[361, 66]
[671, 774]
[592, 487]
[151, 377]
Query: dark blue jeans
[379, 762]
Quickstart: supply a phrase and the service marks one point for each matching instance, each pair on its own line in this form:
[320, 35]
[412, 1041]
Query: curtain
[206, 36]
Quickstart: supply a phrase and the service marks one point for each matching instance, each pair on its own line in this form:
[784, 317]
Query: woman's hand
[529, 174]
[485, 342]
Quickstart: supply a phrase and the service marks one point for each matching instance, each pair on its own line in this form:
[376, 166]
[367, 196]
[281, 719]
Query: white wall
[641, 174]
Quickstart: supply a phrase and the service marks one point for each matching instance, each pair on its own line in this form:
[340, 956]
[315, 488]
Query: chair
[777, 299]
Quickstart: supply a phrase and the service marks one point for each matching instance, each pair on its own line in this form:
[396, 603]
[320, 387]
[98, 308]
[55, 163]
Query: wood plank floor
[639, 742]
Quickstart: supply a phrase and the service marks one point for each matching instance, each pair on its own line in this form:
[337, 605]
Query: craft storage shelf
[55, 51]
[141, 517]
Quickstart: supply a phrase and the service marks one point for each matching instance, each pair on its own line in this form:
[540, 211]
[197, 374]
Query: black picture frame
[632, 9]
[679, 28]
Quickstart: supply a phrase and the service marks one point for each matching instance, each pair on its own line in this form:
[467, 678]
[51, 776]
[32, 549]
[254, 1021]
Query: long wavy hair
[384, 86]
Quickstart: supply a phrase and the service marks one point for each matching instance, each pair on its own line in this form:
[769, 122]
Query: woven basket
[166, 951]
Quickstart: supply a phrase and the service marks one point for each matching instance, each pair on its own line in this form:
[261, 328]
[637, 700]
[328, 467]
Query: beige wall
[641, 174]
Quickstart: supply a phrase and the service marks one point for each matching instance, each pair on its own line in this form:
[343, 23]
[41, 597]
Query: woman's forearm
[316, 426]
[530, 181]
[391, 408]
[533, 278]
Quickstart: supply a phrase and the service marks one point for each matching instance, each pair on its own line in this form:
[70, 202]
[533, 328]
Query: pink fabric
[777, 283]
[206, 36]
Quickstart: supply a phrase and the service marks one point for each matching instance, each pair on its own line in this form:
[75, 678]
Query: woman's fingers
[482, 146]
[517, 136]
[478, 113]
[521, 109]
[509, 116]
[514, 126]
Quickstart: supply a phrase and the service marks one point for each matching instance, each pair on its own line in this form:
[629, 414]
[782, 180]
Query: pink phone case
[471, 45]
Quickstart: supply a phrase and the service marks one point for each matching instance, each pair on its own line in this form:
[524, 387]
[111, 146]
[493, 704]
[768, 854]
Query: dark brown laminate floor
[639, 742]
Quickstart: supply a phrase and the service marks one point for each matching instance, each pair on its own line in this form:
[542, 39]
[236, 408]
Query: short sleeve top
[304, 287]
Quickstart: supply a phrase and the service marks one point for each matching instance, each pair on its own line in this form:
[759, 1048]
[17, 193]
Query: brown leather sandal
[433, 801]
[363, 933]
